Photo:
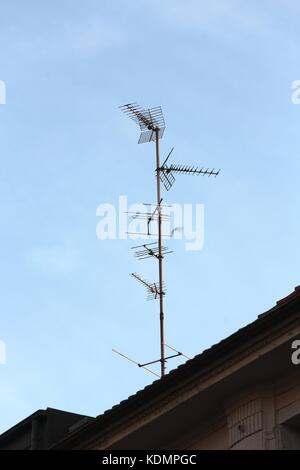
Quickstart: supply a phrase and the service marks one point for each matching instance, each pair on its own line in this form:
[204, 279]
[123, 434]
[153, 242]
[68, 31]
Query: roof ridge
[291, 296]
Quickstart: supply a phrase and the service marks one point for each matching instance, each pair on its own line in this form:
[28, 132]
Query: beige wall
[266, 416]
[216, 440]
[287, 392]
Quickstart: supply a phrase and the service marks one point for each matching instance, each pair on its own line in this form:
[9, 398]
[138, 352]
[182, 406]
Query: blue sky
[222, 72]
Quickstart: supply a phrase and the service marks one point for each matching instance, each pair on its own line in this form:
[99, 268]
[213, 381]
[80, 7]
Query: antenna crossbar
[137, 363]
[159, 360]
[179, 352]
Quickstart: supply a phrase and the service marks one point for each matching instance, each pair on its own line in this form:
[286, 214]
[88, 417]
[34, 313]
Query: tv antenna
[152, 126]
[148, 250]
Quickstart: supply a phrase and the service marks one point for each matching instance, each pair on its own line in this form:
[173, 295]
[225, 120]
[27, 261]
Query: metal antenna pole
[160, 260]
[152, 126]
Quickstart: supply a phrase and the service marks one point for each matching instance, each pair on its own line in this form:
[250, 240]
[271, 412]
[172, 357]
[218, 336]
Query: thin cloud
[93, 35]
[62, 39]
[55, 260]
[213, 18]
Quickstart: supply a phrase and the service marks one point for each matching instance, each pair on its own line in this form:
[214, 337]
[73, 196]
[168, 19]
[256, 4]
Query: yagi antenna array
[152, 126]
[167, 172]
[153, 290]
[151, 121]
[148, 216]
[149, 250]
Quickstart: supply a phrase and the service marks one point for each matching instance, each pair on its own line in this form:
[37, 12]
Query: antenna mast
[152, 126]
[160, 258]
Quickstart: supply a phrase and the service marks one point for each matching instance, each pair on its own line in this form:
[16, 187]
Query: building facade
[242, 393]
[41, 430]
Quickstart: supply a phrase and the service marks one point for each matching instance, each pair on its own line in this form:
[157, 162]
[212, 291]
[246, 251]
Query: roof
[22, 424]
[273, 318]
[39, 414]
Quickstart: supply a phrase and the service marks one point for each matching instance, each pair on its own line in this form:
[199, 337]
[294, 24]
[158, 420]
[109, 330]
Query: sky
[222, 72]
